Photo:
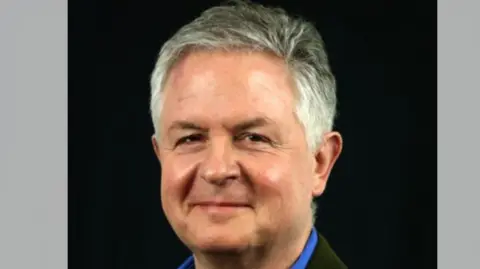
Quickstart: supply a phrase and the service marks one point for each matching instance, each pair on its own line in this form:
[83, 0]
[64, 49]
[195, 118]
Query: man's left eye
[254, 138]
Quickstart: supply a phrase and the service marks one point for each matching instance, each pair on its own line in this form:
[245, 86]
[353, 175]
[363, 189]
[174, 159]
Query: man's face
[236, 168]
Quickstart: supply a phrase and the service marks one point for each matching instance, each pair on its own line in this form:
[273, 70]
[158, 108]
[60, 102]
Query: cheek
[168, 185]
[272, 181]
[276, 177]
[281, 183]
[176, 172]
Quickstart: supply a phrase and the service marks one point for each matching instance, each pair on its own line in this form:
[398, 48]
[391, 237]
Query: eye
[255, 138]
[190, 139]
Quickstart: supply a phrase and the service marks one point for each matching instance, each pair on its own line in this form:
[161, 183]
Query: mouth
[214, 207]
[221, 204]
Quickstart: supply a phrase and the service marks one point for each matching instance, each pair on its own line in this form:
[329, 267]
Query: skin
[237, 174]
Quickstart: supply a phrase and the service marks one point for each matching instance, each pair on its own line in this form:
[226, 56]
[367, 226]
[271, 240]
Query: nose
[220, 164]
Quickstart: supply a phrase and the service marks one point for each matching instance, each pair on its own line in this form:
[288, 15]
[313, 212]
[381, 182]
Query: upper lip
[220, 203]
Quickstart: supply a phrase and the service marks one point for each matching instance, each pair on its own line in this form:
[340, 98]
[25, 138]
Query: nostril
[220, 177]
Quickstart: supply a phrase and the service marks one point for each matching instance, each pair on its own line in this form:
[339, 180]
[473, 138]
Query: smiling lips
[220, 206]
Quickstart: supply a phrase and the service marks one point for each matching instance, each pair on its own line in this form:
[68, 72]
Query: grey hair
[242, 25]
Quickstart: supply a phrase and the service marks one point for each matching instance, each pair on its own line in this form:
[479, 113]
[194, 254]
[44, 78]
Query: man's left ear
[325, 158]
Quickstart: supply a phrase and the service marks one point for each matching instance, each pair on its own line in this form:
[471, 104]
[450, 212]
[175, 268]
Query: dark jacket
[324, 257]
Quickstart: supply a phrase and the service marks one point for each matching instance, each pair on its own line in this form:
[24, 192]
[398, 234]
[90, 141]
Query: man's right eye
[190, 139]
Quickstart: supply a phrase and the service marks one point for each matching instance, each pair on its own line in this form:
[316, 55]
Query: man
[243, 103]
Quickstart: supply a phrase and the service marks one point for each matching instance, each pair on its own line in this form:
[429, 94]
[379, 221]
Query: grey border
[33, 134]
[458, 134]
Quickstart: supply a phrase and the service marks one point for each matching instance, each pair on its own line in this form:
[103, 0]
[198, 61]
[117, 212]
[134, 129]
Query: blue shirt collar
[300, 263]
[188, 263]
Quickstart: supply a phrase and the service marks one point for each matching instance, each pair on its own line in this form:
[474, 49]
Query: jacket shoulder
[324, 257]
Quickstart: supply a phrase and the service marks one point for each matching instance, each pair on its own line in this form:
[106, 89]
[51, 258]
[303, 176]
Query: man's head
[243, 103]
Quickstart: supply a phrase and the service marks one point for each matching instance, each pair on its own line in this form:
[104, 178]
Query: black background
[379, 210]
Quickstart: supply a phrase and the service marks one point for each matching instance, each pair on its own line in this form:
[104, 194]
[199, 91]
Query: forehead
[218, 84]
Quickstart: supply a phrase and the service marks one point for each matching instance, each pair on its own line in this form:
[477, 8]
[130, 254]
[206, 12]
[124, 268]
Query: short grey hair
[243, 25]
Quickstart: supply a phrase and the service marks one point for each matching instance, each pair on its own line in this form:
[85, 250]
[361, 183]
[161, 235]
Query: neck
[274, 255]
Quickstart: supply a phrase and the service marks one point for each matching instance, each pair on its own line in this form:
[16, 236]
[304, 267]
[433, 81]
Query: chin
[212, 231]
[214, 243]
[221, 239]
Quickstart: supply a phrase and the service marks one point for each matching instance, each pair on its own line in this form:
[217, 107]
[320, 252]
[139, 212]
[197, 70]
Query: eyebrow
[185, 125]
[239, 127]
[252, 123]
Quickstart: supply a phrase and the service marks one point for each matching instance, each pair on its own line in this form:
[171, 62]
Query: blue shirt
[300, 263]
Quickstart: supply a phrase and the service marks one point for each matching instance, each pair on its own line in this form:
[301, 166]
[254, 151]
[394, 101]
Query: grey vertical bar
[458, 134]
[33, 134]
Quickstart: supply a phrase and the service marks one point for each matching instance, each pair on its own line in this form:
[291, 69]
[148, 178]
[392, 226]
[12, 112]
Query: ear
[156, 147]
[325, 158]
